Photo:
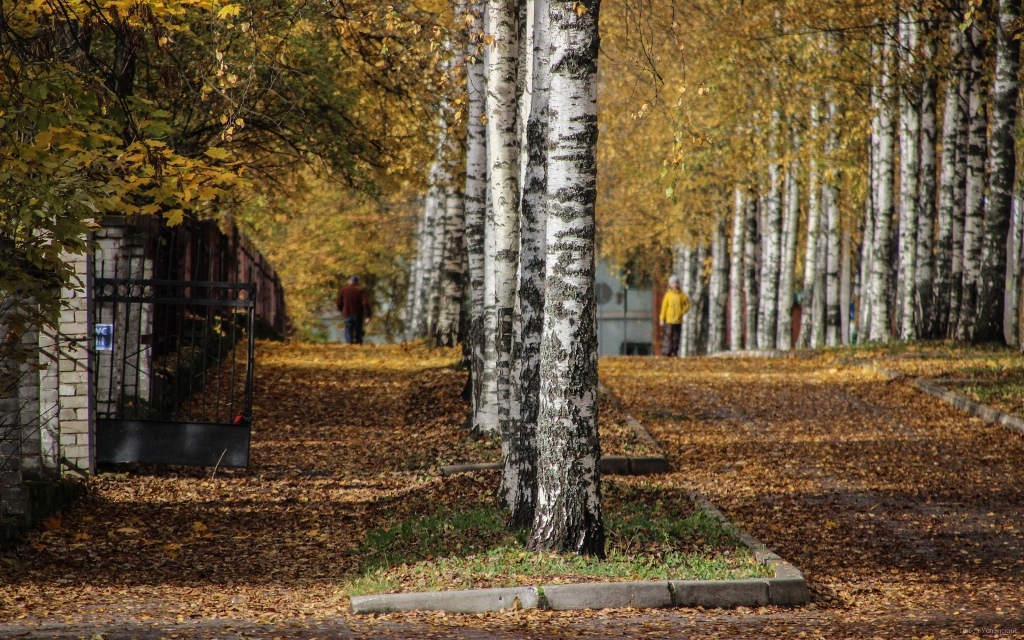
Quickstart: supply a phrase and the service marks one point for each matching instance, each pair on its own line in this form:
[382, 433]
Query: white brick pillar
[74, 384]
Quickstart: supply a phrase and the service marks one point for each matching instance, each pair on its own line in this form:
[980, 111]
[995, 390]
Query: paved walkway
[905, 514]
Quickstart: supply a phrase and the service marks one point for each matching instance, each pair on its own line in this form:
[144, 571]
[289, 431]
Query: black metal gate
[173, 366]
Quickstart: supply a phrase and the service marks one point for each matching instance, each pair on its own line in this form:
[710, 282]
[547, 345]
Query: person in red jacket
[355, 310]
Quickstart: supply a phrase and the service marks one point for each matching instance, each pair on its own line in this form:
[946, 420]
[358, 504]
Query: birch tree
[476, 205]
[718, 288]
[879, 330]
[1002, 160]
[771, 250]
[811, 246]
[502, 36]
[568, 510]
[974, 205]
[751, 286]
[924, 263]
[784, 338]
[909, 135]
[520, 481]
[736, 272]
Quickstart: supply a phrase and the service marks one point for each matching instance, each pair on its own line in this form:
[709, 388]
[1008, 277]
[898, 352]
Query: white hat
[672, 280]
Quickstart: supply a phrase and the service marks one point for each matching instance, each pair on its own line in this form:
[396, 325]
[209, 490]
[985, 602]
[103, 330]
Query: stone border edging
[960, 401]
[610, 465]
[787, 588]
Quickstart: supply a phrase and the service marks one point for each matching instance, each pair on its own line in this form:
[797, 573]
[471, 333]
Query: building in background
[625, 321]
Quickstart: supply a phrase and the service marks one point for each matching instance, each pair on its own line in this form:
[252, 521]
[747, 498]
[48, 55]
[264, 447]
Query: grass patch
[653, 533]
[999, 388]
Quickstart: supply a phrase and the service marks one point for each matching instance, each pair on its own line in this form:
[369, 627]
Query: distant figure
[355, 310]
[674, 306]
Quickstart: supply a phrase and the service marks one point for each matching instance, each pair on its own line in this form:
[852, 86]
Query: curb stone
[467, 601]
[960, 401]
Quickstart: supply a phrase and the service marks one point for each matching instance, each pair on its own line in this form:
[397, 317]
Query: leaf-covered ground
[905, 514]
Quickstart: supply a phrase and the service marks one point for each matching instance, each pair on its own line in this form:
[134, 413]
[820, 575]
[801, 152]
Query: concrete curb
[468, 601]
[960, 401]
[609, 465]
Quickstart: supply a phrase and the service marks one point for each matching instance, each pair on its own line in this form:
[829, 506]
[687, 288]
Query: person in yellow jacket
[674, 306]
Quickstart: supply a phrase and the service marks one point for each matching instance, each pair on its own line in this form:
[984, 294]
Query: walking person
[674, 306]
[355, 310]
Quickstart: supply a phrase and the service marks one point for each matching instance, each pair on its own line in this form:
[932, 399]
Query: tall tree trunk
[820, 294]
[946, 211]
[751, 287]
[959, 206]
[791, 219]
[924, 270]
[845, 286]
[910, 148]
[521, 473]
[879, 330]
[699, 333]
[718, 288]
[452, 269]
[833, 260]
[503, 185]
[476, 207]
[1002, 161]
[736, 273]
[684, 267]
[771, 250]
[568, 512]
[1011, 295]
[974, 206]
[811, 248]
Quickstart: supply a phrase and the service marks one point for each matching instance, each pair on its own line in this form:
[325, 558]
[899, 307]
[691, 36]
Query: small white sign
[104, 337]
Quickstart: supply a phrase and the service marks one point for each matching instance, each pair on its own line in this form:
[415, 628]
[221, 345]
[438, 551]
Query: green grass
[648, 538]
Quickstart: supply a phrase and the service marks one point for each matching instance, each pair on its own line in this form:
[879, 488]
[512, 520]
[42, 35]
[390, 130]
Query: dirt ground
[904, 513]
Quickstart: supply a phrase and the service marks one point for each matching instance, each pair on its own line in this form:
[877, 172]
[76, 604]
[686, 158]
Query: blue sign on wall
[104, 337]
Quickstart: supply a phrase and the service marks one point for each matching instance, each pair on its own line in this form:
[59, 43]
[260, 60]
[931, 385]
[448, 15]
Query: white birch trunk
[452, 269]
[520, 478]
[879, 330]
[718, 288]
[959, 205]
[811, 247]
[684, 262]
[771, 252]
[819, 307]
[791, 218]
[924, 268]
[946, 210]
[845, 288]
[910, 148]
[751, 287]
[503, 186]
[736, 273]
[1002, 162]
[568, 511]
[1011, 290]
[833, 260]
[698, 338]
[974, 205]
[476, 208]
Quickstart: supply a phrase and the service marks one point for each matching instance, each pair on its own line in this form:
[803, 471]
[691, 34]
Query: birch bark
[521, 472]
[811, 247]
[845, 286]
[959, 205]
[771, 239]
[568, 511]
[476, 206]
[784, 336]
[1011, 290]
[946, 211]
[503, 187]
[879, 330]
[974, 205]
[452, 269]
[751, 287]
[924, 263]
[833, 260]
[736, 273]
[684, 262]
[910, 149]
[718, 288]
[1002, 161]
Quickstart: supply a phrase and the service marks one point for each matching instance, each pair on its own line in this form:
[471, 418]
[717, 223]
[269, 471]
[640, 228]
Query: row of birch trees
[839, 172]
[507, 252]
